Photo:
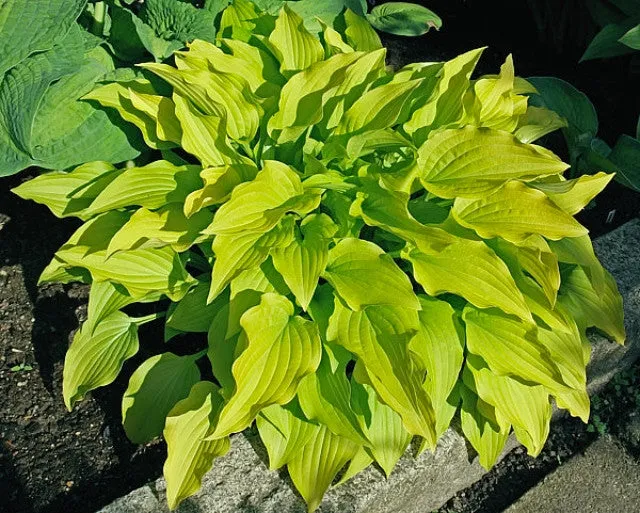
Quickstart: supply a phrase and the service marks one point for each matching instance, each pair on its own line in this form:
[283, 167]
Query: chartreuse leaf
[69, 194]
[359, 33]
[509, 347]
[471, 162]
[387, 438]
[140, 271]
[378, 108]
[301, 101]
[96, 355]
[261, 279]
[325, 396]
[239, 252]
[445, 105]
[214, 93]
[352, 263]
[151, 186]
[204, 135]
[472, 270]
[538, 122]
[440, 345]
[192, 313]
[403, 19]
[313, 469]
[379, 336]
[284, 433]
[480, 427]
[294, 46]
[589, 308]
[137, 102]
[219, 182]
[259, 205]
[105, 298]
[190, 453]
[154, 389]
[514, 212]
[573, 195]
[333, 41]
[303, 261]
[276, 350]
[526, 408]
[579, 251]
[360, 461]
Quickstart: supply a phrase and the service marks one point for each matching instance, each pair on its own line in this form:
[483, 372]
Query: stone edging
[241, 482]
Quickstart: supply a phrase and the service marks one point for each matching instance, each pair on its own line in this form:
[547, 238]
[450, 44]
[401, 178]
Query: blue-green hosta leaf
[137, 102]
[166, 226]
[313, 469]
[314, 13]
[445, 106]
[403, 19]
[589, 308]
[29, 26]
[570, 103]
[69, 194]
[215, 92]
[626, 157]
[245, 251]
[440, 344]
[294, 46]
[509, 347]
[387, 439]
[631, 38]
[96, 355]
[359, 33]
[515, 212]
[44, 124]
[276, 350]
[607, 42]
[480, 427]
[573, 195]
[284, 433]
[303, 261]
[472, 270]
[154, 389]
[352, 263]
[538, 122]
[325, 396]
[151, 186]
[190, 453]
[259, 205]
[379, 336]
[526, 408]
[471, 162]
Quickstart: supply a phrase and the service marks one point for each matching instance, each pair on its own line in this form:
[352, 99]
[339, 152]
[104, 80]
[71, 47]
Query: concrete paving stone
[240, 482]
[603, 480]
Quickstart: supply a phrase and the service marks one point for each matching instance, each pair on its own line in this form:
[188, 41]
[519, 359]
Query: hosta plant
[371, 254]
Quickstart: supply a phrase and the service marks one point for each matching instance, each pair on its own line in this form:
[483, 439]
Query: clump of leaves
[370, 253]
[620, 28]
[588, 153]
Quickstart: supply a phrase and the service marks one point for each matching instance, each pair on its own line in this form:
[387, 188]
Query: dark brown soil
[52, 460]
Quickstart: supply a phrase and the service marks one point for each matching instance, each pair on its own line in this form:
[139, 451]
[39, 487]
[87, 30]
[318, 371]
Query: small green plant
[620, 28]
[22, 367]
[369, 253]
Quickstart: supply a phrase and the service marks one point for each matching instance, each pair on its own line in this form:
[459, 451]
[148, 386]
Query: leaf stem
[148, 318]
[99, 15]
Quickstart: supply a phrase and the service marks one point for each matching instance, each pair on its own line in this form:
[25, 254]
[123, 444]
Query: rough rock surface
[241, 483]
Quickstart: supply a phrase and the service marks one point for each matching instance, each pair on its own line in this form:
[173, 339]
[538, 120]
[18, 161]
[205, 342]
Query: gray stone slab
[603, 480]
[241, 482]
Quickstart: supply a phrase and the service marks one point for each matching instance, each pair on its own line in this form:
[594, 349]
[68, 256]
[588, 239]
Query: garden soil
[52, 460]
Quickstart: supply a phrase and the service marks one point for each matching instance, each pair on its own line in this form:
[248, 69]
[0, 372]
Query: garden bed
[52, 460]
